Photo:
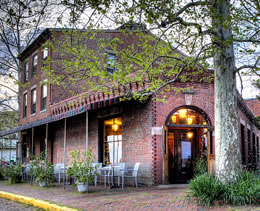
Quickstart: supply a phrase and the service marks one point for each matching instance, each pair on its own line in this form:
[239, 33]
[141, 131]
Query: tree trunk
[228, 158]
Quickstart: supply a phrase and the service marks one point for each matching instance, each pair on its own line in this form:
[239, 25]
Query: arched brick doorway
[187, 136]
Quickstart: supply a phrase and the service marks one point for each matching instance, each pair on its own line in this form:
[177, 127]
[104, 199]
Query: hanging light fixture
[114, 127]
[190, 134]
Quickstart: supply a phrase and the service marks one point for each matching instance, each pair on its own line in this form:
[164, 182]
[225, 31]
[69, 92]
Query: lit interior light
[205, 130]
[189, 121]
[183, 113]
[174, 119]
[114, 127]
[189, 134]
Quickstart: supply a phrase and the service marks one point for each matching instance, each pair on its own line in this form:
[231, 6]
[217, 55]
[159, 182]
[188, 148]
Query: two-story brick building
[165, 137]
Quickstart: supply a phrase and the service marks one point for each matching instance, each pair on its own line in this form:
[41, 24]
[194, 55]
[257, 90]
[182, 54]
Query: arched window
[187, 116]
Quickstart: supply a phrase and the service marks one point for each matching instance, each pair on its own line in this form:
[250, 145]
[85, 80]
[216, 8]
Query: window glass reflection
[186, 116]
[113, 141]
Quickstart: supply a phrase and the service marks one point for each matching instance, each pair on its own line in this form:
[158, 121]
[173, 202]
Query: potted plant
[13, 173]
[42, 171]
[82, 170]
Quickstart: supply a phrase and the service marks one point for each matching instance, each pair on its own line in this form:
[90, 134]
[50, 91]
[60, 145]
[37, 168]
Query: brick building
[254, 105]
[165, 137]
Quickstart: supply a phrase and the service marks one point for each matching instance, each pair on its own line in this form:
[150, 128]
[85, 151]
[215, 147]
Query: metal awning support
[87, 141]
[32, 140]
[46, 143]
[65, 137]
[2, 149]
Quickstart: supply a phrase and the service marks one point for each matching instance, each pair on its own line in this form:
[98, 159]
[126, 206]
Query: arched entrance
[186, 138]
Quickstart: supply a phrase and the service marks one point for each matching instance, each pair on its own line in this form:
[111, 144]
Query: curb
[35, 202]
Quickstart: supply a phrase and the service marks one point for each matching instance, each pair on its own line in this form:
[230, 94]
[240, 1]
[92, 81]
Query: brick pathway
[100, 198]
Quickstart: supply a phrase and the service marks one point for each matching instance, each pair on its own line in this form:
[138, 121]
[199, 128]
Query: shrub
[207, 189]
[1, 172]
[245, 189]
[201, 164]
[13, 172]
[80, 169]
[42, 170]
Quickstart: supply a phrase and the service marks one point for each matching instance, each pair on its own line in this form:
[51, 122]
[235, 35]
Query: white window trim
[34, 86]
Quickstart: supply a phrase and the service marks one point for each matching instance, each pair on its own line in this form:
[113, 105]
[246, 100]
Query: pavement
[101, 198]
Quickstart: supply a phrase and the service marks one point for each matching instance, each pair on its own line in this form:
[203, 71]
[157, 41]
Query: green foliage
[14, 173]
[1, 172]
[207, 189]
[42, 170]
[8, 120]
[244, 189]
[82, 169]
[201, 164]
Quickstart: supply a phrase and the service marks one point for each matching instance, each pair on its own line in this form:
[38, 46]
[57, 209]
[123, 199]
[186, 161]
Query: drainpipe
[64, 170]
[87, 141]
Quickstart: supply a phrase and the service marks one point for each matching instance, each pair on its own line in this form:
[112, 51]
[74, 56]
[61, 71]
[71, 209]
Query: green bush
[42, 170]
[201, 164]
[82, 168]
[206, 189]
[1, 172]
[244, 189]
[13, 172]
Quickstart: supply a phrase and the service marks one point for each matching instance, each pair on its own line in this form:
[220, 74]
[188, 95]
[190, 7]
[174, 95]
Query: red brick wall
[254, 105]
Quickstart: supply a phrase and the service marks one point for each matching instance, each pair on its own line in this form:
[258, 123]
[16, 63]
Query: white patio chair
[105, 172]
[59, 171]
[26, 172]
[131, 173]
[99, 167]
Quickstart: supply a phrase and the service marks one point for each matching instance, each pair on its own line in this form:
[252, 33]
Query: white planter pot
[82, 187]
[42, 184]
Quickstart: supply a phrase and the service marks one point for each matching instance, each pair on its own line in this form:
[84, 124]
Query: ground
[101, 198]
[7, 205]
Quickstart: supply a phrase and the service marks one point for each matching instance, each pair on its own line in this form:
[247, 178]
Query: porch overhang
[70, 113]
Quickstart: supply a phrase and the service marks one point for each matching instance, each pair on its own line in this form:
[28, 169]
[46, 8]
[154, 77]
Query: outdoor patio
[104, 198]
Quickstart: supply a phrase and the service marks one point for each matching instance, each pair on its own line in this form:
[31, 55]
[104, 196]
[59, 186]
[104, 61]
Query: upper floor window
[26, 70]
[24, 105]
[43, 96]
[111, 60]
[34, 64]
[33, 101]
[45, 53]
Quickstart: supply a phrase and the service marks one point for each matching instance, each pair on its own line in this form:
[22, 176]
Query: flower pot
[82, 187]
[42, 183]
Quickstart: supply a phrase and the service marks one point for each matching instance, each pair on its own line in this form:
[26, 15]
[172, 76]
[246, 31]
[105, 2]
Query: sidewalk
[100, 198]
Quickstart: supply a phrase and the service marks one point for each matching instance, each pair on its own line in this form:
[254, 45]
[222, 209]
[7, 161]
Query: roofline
[46, 32]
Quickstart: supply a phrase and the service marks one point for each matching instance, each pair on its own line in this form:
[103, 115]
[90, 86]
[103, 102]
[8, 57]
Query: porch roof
[70, 113]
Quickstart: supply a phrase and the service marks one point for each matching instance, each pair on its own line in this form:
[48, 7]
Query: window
[187, 117]
[257, 149]
[33, 96]
[44, 56]
[111, 58]
[43, 96]
[249, 147]
[24, 105]
[254, 150]
[242, 133]
[45, 53]
[113, 141]
[34, 65]
[26, 70]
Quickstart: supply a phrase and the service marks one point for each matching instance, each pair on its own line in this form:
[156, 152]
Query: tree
[20, 23]
[203, 29]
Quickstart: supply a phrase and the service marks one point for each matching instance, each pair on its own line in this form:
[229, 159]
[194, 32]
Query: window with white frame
[111, 60]
[26, 70]
[33, 101]
[43, 96]
[34, 64]
[24, 105]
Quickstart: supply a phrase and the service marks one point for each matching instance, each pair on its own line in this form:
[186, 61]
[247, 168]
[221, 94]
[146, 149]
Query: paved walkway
[100, 198]
[7, 205]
